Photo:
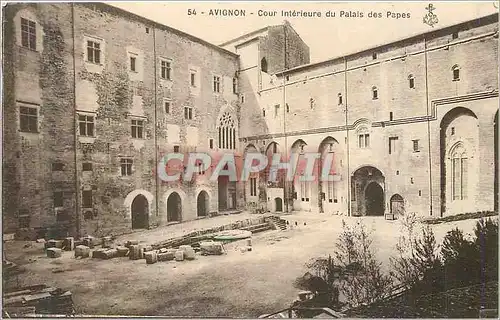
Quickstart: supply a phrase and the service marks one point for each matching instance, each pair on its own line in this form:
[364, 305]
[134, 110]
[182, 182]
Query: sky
[326, 37]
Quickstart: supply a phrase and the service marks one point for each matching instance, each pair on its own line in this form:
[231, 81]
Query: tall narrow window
[166, 105]
[87, 199]
[390, 116]
[93, 51]
[263, 112]
[235, 86]
[28, 34]
[227, 132]
[216, 84]
[411, 81]
[188, 113]
[263, 65]
[340, 98]
[192, 78]
[126, 166]
[363, 138]
[459, 168]
[137, 129]
[58, 199]
[374, 56]
[374, 93]
[211, 143]
[132, 63]
[276, 110]
[392, 144]
[253, 187]
[86, 125]
[28, 118]
[456, 73]
[166, 70]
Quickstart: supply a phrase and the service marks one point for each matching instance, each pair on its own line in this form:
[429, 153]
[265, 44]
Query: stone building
[412, 124]
[95, 95]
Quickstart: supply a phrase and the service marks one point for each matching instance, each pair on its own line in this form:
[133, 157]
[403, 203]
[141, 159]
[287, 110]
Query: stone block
[54, 252]
[166, 256]
[136, 252]
[211, 248]
[89, 241]
[110, 253]
[151, 257]
[122, 251]
[179, 255]
[69, 244]
[131, 242]
[107, 242]
[99, 253]
[82, 251]
[189, 253]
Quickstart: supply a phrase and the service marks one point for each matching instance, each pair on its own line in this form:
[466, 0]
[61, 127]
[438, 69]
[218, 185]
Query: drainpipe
[75, 128]
[157, 191]
[347, 143]
[428, 126]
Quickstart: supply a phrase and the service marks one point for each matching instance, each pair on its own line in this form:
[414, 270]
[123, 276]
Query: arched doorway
[367, 191]
[278, 204]
[140, 212]
[202, 204]
[397, 205]
[174, 207]
[374, 199]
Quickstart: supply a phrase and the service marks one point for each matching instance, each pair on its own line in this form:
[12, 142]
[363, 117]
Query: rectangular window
[392, 144]
[176, 149]
[87, 166]
[57, 166]
[340, 98]
[138, 129]
[58, 199]
[391, 116]
[132, 63]
[86, 125]
[93, 51]
[211, 143]
[188, 113]
[235, 86]
[28, 118]
[126, 166]
[28, 34]
[87, 199]
[364, 140]
[193, 79]
[412, 83]
[166, 70]
[253, 187]
[456, 74]
[216, 84]
[167, 106]
[416, 146]
[276, 110]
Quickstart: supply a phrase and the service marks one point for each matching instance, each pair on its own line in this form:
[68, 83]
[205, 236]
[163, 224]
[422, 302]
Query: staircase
[277, 222]
[258, 228]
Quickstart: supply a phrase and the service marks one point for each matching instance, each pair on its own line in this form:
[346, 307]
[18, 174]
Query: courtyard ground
[234, 285]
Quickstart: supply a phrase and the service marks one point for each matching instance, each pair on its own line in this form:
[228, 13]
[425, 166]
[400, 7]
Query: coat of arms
[430, 18]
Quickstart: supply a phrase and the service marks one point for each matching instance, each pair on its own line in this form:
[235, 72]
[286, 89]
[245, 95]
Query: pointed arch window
[459, 172]
[456, 72]
[227, 132]
[411, 81]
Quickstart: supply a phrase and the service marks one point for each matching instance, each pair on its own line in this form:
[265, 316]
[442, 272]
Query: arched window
[411, 81]
[456, 72]
[459, 171]
[227, 132]
[374, 93]
[263, 65]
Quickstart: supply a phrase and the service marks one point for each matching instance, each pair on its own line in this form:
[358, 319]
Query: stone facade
[103, 124]
[391, 115]
[95, 96]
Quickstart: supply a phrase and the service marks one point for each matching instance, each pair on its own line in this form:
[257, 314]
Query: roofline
[244, 36]
[120, 11]
[477, 21]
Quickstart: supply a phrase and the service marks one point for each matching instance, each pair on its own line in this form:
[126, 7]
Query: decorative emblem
[430, 18]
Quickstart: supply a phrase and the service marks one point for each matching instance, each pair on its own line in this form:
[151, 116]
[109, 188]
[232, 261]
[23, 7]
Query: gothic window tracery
[227, 132]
